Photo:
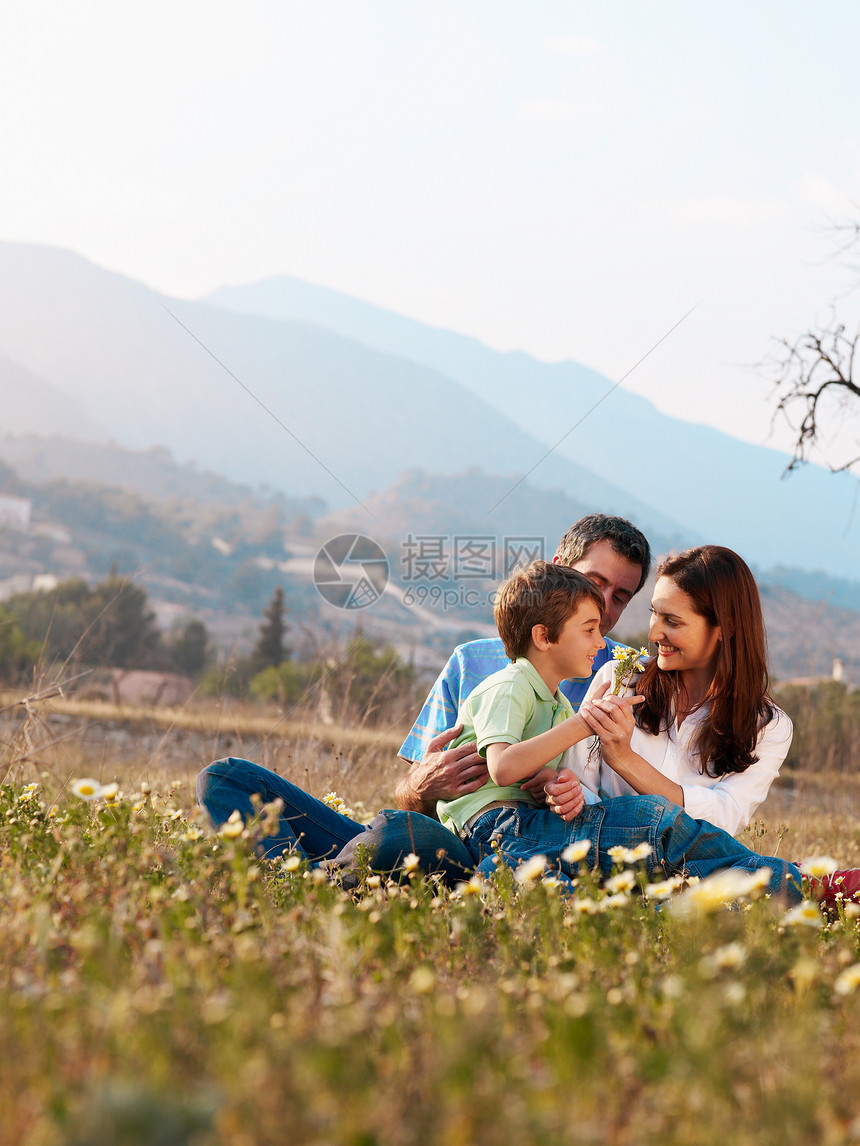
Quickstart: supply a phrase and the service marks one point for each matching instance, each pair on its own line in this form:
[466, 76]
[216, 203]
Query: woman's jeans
[678, 842]
[321, 835]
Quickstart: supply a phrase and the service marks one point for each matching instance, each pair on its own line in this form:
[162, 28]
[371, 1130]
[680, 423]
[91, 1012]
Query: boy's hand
[564, 794]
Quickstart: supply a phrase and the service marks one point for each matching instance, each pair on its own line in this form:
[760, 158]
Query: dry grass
[62, 737]
[158, 985]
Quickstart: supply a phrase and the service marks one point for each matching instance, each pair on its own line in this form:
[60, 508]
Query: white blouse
[728, 801]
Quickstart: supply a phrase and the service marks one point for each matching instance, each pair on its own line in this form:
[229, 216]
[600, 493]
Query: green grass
[162, 986]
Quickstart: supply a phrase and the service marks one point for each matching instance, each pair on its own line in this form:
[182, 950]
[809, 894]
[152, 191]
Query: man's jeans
[678, 842]
[323, 836]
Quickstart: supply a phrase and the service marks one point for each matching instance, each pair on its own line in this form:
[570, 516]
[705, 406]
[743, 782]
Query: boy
[548, 617]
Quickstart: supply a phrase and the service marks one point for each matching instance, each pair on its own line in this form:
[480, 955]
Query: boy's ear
[540, 640]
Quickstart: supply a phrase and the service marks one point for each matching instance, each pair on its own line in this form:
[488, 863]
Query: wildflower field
[159, 985]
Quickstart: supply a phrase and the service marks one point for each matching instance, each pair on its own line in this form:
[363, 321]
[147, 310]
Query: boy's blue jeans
[678, 842]
[309, 827]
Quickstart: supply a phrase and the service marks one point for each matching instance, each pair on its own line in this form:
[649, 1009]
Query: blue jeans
[322, 835]
[678, 842]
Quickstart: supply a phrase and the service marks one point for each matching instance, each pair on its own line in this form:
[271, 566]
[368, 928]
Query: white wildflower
[234, 826]
[620, 900]
[576, 851]
[848, 981]
[626, 668]
[664, 888]
[624, 881]
[338, 805]
[806, 914]
[718, 890]
[531, 869]
[474, 886]
[818, 866]
[86, 789]
[730, 955]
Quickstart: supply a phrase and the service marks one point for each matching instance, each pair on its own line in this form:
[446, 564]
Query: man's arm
[442, 774]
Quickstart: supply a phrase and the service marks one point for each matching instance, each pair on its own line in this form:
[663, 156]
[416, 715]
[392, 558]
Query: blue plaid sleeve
[467, 666]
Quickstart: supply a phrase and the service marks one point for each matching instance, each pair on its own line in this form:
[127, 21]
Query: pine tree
[270, 648]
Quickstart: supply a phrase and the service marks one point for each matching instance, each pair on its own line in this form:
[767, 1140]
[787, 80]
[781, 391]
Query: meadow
[160, 985]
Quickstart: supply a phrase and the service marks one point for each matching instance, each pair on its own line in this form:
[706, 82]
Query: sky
[568, 179]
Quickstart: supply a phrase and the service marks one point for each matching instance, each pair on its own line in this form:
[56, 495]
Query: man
[611, 553]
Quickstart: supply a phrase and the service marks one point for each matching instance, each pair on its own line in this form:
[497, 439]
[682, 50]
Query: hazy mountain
[450, 506]
[153, 474]
[723, 489]
[351, 418]
[32, 406]
[354, 416]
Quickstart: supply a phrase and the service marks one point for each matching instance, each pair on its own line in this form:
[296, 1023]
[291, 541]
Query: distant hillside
[32, 406]
[343, 418]
[340, 420]
[154, 474]
[449, 506]
[720, 488]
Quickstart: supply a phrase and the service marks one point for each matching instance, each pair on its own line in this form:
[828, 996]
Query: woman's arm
[611, 718]
[729, 802]
[732, 801]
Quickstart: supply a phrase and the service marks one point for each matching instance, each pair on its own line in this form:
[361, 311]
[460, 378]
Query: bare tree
[814, 376]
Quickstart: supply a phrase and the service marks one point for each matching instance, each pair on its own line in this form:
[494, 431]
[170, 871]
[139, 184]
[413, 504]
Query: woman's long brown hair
[723, 591]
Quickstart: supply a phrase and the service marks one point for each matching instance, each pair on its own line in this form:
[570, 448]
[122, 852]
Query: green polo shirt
[513, 704]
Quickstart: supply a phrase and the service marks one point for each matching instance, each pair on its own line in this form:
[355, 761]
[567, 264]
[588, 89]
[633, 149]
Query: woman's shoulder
[778, 727]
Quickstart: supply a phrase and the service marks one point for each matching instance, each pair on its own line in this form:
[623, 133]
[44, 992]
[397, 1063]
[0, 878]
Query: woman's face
[685, 641]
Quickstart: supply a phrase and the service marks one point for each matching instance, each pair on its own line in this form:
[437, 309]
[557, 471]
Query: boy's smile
[578, 643]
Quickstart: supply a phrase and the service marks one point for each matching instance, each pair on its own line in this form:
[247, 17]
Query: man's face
[615, 576]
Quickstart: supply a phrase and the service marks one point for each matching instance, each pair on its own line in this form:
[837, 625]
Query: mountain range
[317, 394]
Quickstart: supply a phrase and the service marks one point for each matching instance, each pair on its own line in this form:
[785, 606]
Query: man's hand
[536, 784]
[443, 774]
[564, 794]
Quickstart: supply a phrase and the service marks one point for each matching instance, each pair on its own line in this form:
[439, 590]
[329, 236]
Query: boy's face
[578, 642]
[615, 576]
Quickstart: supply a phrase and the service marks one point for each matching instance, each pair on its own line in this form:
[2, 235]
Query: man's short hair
[623, 536]
[539, 594]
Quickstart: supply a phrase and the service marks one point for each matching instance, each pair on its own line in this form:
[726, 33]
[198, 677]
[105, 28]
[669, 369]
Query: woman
[707, 735]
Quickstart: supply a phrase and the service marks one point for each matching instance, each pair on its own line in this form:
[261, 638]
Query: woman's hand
[564, 794]
[611, 718]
